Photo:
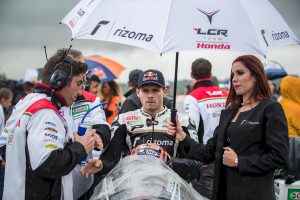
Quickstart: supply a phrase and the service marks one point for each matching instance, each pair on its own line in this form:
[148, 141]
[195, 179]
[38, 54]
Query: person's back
[205, 102]
[203, 105]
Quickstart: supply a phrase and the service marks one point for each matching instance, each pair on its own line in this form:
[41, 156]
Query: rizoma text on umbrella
[125, 33]
[280, 35]
[133, 35]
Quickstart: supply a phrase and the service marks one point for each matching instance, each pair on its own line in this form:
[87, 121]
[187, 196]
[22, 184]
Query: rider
[145, 125]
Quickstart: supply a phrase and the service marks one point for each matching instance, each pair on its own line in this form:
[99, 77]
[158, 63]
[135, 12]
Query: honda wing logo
[209, 15]
[211, 36]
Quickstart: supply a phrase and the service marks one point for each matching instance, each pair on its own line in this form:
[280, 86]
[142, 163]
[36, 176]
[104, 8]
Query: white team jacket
[47, 133]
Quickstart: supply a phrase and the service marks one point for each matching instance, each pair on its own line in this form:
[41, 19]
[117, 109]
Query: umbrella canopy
[175, 25]
[105, 68]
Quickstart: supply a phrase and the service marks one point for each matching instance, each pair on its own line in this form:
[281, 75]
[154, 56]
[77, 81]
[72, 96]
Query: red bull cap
[151, 76]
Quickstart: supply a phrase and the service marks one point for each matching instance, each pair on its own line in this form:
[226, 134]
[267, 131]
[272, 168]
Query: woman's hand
[98, 142]
[92, 167]
[176, 131]
[229, 157]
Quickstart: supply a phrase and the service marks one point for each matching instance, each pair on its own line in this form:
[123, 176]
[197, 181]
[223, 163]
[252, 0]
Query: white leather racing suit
[137, 127]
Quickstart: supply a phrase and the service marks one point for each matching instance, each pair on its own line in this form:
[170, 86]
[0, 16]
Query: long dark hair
[114, 88]
[261, 89]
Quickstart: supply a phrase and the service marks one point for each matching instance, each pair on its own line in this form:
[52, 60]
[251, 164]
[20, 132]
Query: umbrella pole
[173, 110]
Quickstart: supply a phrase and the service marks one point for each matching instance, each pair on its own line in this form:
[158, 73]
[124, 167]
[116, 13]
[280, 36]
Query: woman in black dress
[251, 140]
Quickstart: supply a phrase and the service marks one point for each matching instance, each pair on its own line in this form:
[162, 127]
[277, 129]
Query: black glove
[187, 169]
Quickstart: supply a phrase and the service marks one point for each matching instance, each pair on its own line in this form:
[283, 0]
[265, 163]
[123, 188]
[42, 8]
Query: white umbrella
[175, 25]
[252, 26]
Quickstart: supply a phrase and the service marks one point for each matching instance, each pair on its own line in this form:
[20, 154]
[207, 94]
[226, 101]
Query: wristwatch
[236, 162]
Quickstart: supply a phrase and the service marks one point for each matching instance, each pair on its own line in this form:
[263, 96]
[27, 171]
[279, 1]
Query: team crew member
[204, 104]
[95, 119]
[39, 150]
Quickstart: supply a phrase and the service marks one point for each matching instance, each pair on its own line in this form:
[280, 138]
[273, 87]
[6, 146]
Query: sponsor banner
[134, 35]
[5, 130]
[124, 32]
[80, 109]
[51, 129]
[51, 136]
[50, 123]
[133, 117]
[215, 105]
[212, 37]
[205, 45]
[216, 114]
[135, 122]
[247, 122]
[10, 139]
[293, 194]
[51, 146]
[161, 142]
[152, 76]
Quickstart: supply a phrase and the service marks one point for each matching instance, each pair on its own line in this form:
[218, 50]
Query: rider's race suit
[138, 127]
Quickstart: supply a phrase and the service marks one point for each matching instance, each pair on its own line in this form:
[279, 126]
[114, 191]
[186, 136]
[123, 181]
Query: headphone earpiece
[89, 74]
[59, 78]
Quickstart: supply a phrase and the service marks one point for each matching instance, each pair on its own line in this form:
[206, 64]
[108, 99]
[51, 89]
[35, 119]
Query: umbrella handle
[173, 116]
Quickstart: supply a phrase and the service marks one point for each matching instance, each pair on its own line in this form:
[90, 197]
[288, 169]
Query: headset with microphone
[59, 78]
[89, 75]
